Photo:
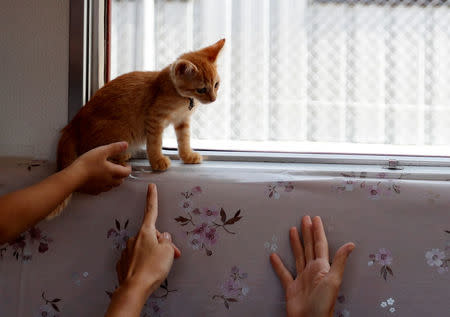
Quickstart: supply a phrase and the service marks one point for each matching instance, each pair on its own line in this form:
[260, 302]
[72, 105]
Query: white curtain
[303, 70]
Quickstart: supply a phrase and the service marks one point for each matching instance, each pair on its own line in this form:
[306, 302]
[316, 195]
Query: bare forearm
[128, 300]
[22, 209]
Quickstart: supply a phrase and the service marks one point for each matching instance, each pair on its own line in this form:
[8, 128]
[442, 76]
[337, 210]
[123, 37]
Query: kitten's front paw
[191, 158]
[121, 159]
[160, 164]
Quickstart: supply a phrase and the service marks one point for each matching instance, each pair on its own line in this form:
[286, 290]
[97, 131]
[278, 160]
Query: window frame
[390, 162]
[88, 70]
[77, 57]
[392, 3]
[88, 51]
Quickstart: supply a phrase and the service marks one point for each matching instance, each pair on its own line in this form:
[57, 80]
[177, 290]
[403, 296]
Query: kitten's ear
[184, 67]
[213, 51]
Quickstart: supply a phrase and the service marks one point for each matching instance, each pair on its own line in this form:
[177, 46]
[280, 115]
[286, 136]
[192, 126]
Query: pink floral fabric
[22, 248]
[384, 259]
[202, 225]
[226, 224]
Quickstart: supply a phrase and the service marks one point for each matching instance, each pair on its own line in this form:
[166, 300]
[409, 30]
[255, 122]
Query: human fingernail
[123, 145]
[167, 236]
[350, 248]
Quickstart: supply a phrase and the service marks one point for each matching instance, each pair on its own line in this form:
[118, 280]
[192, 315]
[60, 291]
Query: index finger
[151, 209]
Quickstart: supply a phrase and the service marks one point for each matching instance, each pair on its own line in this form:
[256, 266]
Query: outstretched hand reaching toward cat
[92, 171]
[99, 174]
[313, 292]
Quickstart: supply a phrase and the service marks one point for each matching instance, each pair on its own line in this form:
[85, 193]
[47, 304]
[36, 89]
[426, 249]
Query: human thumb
[339, 261]
[115, 148]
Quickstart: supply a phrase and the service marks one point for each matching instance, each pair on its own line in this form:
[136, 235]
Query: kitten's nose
[212, 97]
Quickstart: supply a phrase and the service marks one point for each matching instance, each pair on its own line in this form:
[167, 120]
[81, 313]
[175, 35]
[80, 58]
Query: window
[303, 76]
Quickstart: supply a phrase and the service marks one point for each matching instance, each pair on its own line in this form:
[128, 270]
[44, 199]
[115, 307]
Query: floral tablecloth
[227, 222]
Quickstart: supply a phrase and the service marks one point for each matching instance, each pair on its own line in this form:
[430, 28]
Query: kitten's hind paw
[191, 158]
[160, 164]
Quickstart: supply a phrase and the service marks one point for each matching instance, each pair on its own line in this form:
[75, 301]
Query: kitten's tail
[67, 147]
[57, 211]
[67, 153]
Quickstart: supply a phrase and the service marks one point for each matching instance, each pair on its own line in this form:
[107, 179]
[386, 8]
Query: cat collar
[191, 103]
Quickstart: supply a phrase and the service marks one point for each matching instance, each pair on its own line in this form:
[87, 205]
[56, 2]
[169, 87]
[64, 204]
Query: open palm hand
[313, 292]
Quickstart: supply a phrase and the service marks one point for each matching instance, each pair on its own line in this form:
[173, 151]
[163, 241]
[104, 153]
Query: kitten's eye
[201, 90]
[216, 85]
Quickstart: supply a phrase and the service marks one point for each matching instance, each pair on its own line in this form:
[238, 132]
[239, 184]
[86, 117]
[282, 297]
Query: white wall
[34, 58]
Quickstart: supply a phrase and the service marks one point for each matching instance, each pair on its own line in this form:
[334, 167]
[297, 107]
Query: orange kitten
[136, 107]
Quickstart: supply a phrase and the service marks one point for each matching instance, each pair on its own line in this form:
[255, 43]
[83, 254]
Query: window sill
[251, 171]
[315, 158]
[342, 148]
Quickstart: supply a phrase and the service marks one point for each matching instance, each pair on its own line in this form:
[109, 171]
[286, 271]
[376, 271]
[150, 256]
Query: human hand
[99, 174]
[314, 291]
[148, 257]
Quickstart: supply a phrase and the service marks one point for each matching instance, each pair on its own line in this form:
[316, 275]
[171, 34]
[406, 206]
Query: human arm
[313, 292]
[22, 209]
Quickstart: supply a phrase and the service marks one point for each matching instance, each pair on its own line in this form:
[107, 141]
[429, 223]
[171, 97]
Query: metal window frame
[86, 75]
[390, 162]
[86, 52]
[392, 3]
[77, 56]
